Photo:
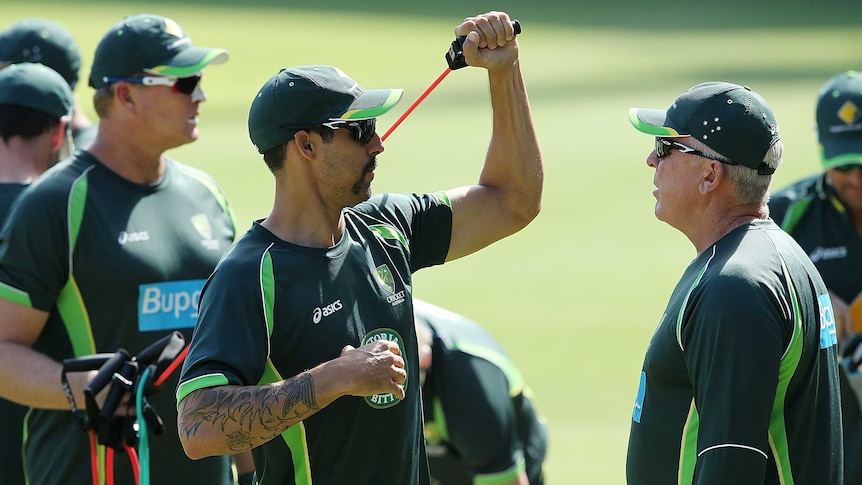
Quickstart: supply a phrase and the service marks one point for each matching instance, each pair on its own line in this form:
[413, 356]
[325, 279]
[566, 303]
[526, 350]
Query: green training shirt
[740, 381]
[272, 310]
[810, 211]
[11, 414]
[480, 423]
[116, 265]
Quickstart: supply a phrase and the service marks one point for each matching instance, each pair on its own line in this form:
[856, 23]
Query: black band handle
[455, 55]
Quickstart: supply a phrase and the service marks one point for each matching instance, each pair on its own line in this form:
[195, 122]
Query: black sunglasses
[362, 130]
[185, 85]
[849, 167]
[663, 147]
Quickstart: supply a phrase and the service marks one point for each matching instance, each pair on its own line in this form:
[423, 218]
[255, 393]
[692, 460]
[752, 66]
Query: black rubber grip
[455, 54]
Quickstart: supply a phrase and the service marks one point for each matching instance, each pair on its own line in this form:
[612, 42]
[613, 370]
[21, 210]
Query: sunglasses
[361, 130]
[849, 167]
[185, 85]
[663, 147]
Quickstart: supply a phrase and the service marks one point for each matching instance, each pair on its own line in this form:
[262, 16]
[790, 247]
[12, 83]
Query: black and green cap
[731, 119]
[42, 41]
[307, 96]
[36, 87]
[839, 120]
[149, 43]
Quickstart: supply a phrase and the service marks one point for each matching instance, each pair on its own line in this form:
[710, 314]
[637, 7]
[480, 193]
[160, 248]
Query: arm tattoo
[264, 411]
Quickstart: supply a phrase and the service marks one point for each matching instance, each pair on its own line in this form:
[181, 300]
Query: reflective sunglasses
[185, 85]
[361, 130]
[663, 147]
[849, 167]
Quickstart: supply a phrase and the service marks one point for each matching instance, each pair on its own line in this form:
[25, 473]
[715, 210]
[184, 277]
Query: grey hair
[749, 186]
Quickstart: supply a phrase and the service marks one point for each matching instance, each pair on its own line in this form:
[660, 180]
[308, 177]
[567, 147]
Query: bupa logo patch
[386, 400]
[828, 334]
[168, 305]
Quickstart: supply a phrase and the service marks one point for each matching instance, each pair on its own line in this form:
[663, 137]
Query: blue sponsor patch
[639, 402]
[828, 334]
[169, 305]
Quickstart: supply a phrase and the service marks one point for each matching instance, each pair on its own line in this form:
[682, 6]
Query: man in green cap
[35, 106]
[823, 213]
[740, 381]
[305, 350]
[110, 250]
[49, 43]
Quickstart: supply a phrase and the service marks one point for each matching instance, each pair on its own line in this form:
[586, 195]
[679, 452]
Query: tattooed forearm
[251, 415]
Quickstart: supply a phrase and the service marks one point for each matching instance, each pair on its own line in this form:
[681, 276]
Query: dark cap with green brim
[152, 44]
[48, 43]
[731, 119]
[36, 87]
[305, 97]
[839, 120]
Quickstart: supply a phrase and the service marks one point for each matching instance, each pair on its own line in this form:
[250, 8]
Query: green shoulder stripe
[70, 304]
[794, 213]
[789, 363]
[210, 184]
[389, 232]
[443, 198]
[513, 375]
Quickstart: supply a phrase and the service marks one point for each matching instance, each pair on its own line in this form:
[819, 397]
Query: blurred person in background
[35, 106]
[823, 212]
[480, 422]
[49, 43]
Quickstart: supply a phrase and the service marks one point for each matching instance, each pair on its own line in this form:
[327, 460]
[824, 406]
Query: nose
[652, 159]
[375, 146]
[198, 95]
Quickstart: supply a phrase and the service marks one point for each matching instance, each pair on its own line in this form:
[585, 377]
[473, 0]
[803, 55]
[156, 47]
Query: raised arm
[509, 191]
[227, 420]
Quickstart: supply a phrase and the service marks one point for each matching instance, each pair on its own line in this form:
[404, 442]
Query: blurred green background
[576, 295]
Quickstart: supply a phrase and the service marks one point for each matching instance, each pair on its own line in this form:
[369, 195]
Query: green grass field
[577, 294]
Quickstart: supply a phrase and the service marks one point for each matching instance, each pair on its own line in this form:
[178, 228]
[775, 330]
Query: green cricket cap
[731, 119]
[839, 120]
[308, 96]
[149, 43]
[42, 41]
[37, 87]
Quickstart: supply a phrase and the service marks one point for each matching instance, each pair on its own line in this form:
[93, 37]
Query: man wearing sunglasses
[740, 381]
[110, 250]
[305, 349]
[823, 213]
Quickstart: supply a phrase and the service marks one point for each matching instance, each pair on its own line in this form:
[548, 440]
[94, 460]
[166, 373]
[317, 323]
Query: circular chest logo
[386, 400]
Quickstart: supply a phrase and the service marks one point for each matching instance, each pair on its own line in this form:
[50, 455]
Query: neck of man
[139, 163]
[711, 228]
[22, 161]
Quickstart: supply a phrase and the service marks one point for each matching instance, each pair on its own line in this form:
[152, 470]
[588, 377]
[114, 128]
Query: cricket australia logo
[385, 278]
[386, 400]
[201, 223]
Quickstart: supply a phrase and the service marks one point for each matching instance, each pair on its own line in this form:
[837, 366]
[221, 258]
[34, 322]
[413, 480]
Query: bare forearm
[231, 419]
[514, 160]
[31, 378]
